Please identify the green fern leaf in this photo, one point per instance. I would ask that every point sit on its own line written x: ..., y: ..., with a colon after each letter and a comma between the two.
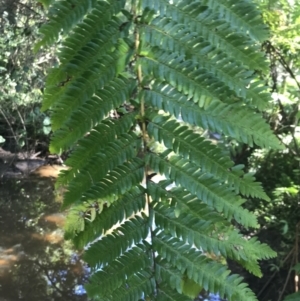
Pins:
x: 166, y: 294
x: 125, y: 207
x: 129, y: 73
x: 203, y: 186
x: 205, y: 155
x: 217, y: 117
x: 110, y: 247
x: 292, y: 297
x: 248, y: 20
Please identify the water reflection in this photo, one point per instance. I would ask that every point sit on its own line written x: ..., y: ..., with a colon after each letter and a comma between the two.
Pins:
x: 35, y: 262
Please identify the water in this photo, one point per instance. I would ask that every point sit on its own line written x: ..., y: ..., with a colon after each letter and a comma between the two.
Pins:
x: 35, y: 262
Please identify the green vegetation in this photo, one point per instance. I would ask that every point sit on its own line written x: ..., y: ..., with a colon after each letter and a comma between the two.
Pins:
x: 129, y: 72
x: 278, y: 171
x: 22, y: 125
x: 191, y: 90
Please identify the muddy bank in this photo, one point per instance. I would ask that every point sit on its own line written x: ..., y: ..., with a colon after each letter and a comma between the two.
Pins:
x: 21, y: 165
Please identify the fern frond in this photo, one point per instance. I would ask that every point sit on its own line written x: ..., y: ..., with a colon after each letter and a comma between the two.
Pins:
x: 183, y: 201
x: 204, y: 154
x: 212, y: 275
x: 128, y: 264
x: 189, y: 215
x: 195, y: 82
x: 242, y: 15
x: 110, y: 247
x: 167, y: 34
x: 97, y: 140
x: 167, y: 294
x: 94, y: 29
x: 71, y: 92
x: 236, y: 121
x: 195, y: 61
x: 115, y: 154
x: 207, y: 189
x: 64, y: 15
x: 117, y: 182
x: 80, y: 90
x: 186, y: 77
x: 135, y: 288
x: 209, y: 237
x: 92, y: 112
x: 129, y: 204
x: 206, y: 23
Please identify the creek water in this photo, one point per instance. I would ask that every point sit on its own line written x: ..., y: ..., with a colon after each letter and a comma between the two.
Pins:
x: 36, y: 264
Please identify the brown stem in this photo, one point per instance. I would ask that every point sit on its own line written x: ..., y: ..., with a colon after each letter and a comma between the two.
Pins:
x: 273, y: 275
x: 287, y: 279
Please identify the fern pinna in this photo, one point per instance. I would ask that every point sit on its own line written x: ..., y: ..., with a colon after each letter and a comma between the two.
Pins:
x: 136, y: 84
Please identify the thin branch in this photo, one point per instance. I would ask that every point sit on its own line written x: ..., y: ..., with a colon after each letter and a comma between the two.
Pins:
x: 287, y: 279
x: 43, y: 268
x: 11, y: 129
x: 29, y: 8
x: 284, y: 63
x: 25, y: 130
x: 273, y: 275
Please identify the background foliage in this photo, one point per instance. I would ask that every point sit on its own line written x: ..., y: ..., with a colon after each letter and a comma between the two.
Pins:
x: 22, y: 125
x: 129, y: 74
x: 278, y: 170
x: 21, y: 87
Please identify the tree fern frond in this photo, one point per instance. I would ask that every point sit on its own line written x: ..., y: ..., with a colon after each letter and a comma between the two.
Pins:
x: 183, y: 201
x: 195, y: 232
x: 130, y: 203
x: 113, y: 245
x: 128, y: 264
x: 207, y: 189
x: 79, y: 60
x: 207, y: 24
x: 79, y: 53
x: 236, y: 121
x: 83, y: 74
x: 97, y: 140
x: 80, y: 90
x: 122, y: 63
x: 167, y: 294
x: 211, y: 238
x: 167, y: 34
x: 195, y: 215
x: 99, y: 26
x: 204, y: 154
x: 136, y: 287
x: 94, y: 110
x: 186, y: 77
x: 117, y: 182
x: 242, y: 15
x: 115, y: 154
x: 211, y: 275
x: 64, y: 15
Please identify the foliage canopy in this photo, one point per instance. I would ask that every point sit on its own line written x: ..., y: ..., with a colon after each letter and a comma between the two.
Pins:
x: 138, y: 85
x: 22, y: 125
